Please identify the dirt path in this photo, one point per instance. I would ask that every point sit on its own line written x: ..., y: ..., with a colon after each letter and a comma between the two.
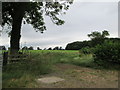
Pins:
x: 81, y: 77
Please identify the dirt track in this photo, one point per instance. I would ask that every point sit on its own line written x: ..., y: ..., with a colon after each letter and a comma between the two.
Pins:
x: 81, y: 77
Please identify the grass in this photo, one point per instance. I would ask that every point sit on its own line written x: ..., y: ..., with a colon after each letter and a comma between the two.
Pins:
x: 22, y: 73
x: 40, y: 62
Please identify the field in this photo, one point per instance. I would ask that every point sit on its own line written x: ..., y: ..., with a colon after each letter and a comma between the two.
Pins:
x: 78, y: 70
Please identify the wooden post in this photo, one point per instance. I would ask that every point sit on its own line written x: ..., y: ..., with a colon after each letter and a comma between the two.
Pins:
x: 5, y: 58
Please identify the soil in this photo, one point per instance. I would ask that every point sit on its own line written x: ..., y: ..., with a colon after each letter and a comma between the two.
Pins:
x: 81, y: 77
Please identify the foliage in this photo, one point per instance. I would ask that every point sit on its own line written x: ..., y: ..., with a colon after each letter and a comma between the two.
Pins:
x: 50, y: 48
x: 38, y: 48
x: 97, y: 37
x: 30, y: 48
x: 91, y: 43
x: 97, y: 34
x: 25, y: 73
x: 14, y: 13
x: 57, y: 48
x: 86, y: 50
x: 33, y: 12
x: 113, y: 39
x: 78, y: 45
x: 108, y: 52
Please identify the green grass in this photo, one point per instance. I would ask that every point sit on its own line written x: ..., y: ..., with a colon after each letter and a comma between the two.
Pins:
x: 24, y: 73
x: 16, y: 74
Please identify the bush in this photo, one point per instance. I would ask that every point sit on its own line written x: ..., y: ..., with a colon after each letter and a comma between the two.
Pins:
x: 107, y: 52
x: 86, y: 50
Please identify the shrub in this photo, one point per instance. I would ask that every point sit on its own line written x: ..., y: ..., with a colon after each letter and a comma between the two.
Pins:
x: 86, y: 50
x: 107, y: 52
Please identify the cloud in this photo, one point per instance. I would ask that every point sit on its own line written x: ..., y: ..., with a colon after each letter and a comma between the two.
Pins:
x: 81, y: 19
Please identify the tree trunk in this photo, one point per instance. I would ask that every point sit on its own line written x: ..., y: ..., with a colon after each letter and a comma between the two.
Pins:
x: 18, y: 14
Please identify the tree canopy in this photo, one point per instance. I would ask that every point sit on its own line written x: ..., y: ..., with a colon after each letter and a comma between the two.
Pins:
x: 33, y: 12
x: 96, y: 38
x: 14, y: 13
x: 97, y: 34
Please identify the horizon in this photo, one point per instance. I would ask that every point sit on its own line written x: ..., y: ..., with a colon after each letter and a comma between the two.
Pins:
x: 46, y: 48
x: 80, y: 19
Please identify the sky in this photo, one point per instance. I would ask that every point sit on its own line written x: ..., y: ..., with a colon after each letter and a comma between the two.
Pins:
x: 81, y: 19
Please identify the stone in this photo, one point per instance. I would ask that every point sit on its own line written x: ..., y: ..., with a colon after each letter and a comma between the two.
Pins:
x: 49, y: 80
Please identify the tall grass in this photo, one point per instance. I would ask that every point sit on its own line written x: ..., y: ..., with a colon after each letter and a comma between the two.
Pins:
x: 40, y: 62
x: 24, y: 73
x: 65, y: 56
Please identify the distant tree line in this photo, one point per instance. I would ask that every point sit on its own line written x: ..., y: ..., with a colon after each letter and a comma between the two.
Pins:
x: 38, y: 48
x: 55, y: 48
x: 27, y: 48
x: 78, y: 45
x: 96, y: 38
x: 105, y: 51
x: 90, y: 43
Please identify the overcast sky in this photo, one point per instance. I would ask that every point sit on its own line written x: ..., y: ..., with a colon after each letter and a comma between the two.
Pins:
x: 81, y: 19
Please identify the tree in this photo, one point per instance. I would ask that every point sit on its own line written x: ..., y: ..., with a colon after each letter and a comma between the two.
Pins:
x: 60, y: 48
x: 13, y: 13
x: 97, y: 37
x: 38, y: 48
x: 56, y: 48
x: 78, y: 45
x: 50, y: 48
x: 105, y: 33
x: 107, y: 53
x: 30, y: 48
x: 97, y: 34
